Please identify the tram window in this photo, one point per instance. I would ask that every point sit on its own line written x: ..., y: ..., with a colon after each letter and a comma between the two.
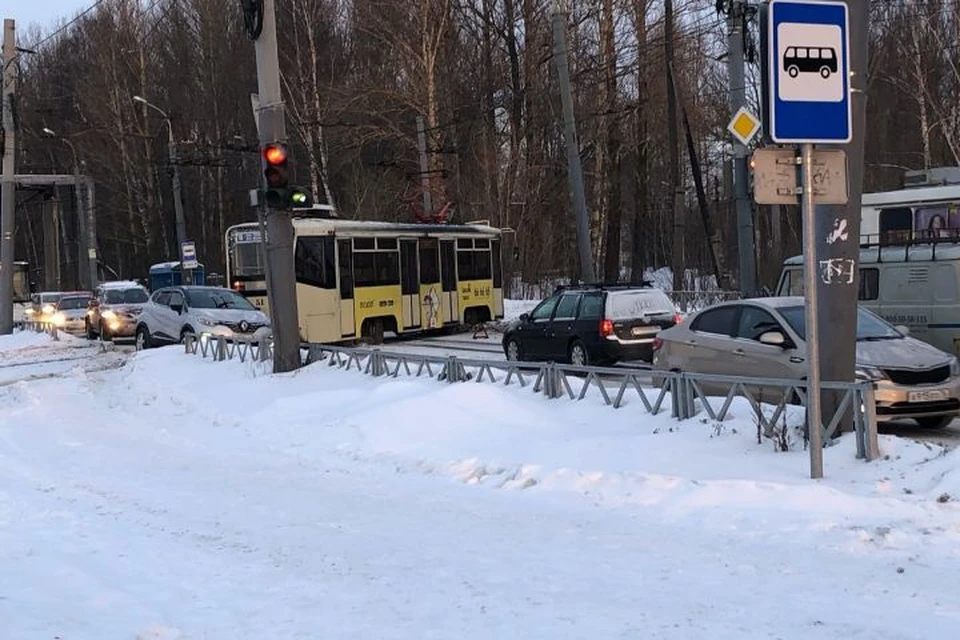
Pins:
x: 346, y: 270
x: 364, y: 244
x: 408, y: 267
x: 497, y: 267
x: 465, y: 243
x: 387, y: 243
x: 376, y: 269
x: 481, y: 243
x: 314, y: 261
x: 481, y: 265
x: 448, y: 264
x: 429, y: 262
x: 465, y: 270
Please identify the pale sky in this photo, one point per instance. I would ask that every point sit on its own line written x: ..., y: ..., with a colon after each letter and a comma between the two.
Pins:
x: 46, y: 13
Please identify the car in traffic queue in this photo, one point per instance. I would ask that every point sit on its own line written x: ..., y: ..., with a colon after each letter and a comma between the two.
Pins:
x: 172, y: 313
x: 592, y: 324
x: 42, y: 306
x: 765, y: 338
x: 71, y: 312
x: 114, y: 310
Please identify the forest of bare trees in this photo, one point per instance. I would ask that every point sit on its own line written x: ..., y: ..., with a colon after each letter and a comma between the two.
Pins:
x: 358, y: 73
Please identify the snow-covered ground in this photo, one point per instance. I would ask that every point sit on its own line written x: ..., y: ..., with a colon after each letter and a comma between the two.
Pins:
x: 179, y: 498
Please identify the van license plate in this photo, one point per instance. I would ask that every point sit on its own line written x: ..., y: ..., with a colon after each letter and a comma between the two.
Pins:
x: 931, y: 395
x: 643, y: 331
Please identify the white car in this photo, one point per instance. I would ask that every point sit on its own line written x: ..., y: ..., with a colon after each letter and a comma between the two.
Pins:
x: 174, y: 312
x: 71, y: 313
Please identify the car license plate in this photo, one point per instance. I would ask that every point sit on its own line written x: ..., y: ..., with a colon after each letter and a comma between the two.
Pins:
x: 644, y: 331
x: 930, y: 395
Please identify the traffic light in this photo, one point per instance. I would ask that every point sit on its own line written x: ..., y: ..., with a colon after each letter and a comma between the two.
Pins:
x: 299, y: 197
x: 277, y: 174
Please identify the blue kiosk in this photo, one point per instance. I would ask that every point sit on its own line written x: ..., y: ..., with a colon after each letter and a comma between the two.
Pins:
x: 168, y: 274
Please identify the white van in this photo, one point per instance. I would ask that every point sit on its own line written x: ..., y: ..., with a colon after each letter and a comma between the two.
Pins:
x: 913, y: 286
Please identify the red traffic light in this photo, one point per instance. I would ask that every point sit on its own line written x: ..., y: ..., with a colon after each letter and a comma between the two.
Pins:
x: 275, y: 154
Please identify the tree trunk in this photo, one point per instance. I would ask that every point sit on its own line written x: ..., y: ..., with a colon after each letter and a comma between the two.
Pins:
x: 611, y: 261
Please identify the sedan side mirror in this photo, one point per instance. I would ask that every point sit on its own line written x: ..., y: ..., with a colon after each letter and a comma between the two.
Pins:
x: 773, y: 338
x: 903, y: 329
x: 524, y: 317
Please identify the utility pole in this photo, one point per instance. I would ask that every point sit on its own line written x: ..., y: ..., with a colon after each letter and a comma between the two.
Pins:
x: 675, y: 206
x: 174, y: 161
x: 92, y: 236
x: 838, y: 301
x: 8, y: 197
x: 736, y: 32
x: 574, y: 170
x: 282, y: 292
x: 424, y: 167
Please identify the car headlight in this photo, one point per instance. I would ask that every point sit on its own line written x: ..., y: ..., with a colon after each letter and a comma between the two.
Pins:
x: 870, y: 373
x: 48, y: 308
x: 955, y: 367
x: 59, y: 319
x: 30, y: 312
x: 109, y: 314
x: 208, y: 323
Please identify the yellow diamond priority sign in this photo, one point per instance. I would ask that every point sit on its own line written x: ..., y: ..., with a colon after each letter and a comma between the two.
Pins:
x: 744, y: 125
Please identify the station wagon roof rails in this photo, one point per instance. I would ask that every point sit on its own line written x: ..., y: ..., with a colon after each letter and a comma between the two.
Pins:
x: 604, y: 286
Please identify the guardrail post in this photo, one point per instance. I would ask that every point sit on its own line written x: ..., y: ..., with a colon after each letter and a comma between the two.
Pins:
x: 871, y: 442
x: 674, y: 381
x: 53, y: 332
x: 221, y: 353
x: 376, y: 364
x: 452, y: 373
x: 187, y: 344
x: 264, y: 352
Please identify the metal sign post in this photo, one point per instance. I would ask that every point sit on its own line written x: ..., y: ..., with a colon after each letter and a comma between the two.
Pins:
x: 812, y: 326
x: 808, y: 51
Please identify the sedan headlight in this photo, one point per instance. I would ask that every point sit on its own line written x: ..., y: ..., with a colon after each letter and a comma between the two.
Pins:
x: 955, y: 367
x: 59, y: 319
x: 48, y: 308
x: 109, y: 314
x: 870, y: 373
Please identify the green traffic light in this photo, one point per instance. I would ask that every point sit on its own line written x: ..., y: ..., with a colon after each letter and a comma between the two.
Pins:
x: 298, y: 197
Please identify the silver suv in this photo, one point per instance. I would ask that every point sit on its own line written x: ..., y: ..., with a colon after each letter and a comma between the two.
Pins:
x: 174, y: 312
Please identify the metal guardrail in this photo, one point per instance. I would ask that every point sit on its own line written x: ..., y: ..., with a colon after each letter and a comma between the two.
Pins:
x: 221, y: 348
x: 682, y: 393
x: 38, y: 327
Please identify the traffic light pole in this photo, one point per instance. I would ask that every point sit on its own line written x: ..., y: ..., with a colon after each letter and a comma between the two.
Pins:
x: 282, y: 292
x: 8, y: 198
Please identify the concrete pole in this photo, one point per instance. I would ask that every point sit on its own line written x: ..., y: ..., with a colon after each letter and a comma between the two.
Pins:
x: 738, y: 98
x: 178, y: 201
x: 574, y: 170
x: 677, y: 213
x: 92, y: 235
x: 8, y: 197
x: 424, y: 167
x: 282, y: 293
x: 838, y: 299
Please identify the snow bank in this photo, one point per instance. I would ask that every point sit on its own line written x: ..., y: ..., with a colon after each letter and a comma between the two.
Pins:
x: 179, y: 498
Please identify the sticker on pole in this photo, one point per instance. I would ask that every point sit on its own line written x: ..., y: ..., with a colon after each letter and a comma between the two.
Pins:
x: 809, y: 72
x: 744, y: 126
x: 188, y: 255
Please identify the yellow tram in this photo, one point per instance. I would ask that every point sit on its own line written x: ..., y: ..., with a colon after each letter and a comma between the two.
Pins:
x: 360, y: 279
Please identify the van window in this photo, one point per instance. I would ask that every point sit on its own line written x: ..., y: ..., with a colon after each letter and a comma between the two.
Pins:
x: 869, y: 284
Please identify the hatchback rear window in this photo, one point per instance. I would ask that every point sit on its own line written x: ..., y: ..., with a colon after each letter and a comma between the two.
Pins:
x: 624, y: 305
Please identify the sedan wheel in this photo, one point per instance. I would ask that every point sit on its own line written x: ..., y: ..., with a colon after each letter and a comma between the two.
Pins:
x: 578, y: 355
x: 513, y: 351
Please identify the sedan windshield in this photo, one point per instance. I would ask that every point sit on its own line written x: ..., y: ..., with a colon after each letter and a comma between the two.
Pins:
x: 73, y: 303
x: 869, y: 326
x: 217, y: 299
x: 126, y: 296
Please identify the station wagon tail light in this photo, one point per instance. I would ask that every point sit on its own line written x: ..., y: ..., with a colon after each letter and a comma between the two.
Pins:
x: 606, y: 328
x: 677, y: 318
x: 657, y: 343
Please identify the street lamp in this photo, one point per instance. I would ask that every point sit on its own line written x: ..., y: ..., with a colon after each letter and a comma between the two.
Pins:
x: 177, y: 196
x: 91, y: 223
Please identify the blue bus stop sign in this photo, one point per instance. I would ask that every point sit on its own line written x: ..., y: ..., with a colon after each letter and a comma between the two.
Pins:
x: 809, y: 49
